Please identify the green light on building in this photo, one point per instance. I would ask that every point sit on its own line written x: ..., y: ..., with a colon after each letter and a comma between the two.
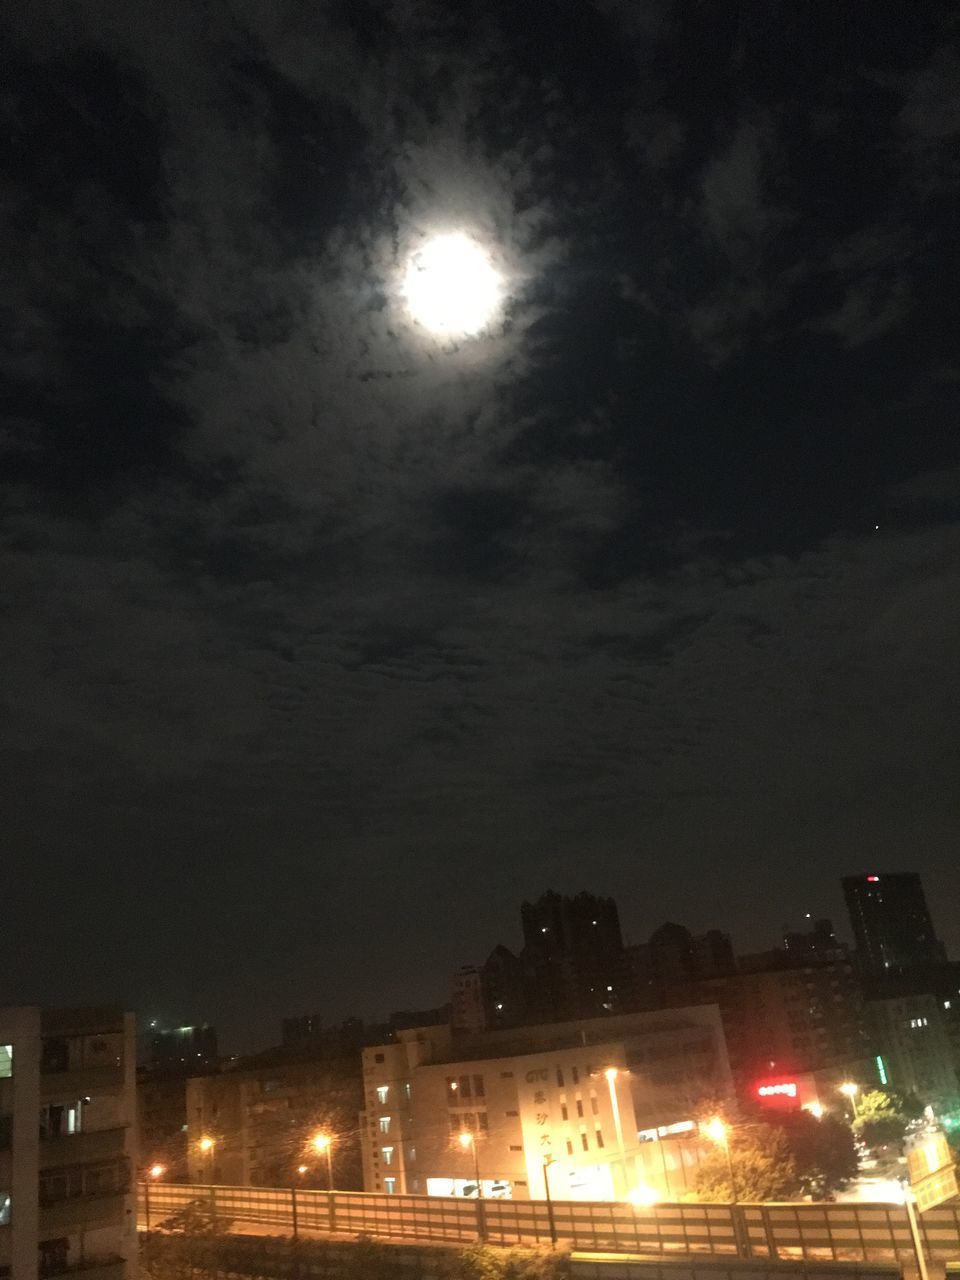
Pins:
x: 881, y: 1070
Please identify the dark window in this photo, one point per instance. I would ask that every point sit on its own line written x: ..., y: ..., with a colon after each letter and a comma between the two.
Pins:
x: 575, y: 1075
x: 559, y: 1077
x: 583, y: 1139
x: 579, y: 1107
x: 482, y: 1122
x: 569, y: 1147
x: 478, y: 1091
x: 516, y: 1148
x: 563, y: 1111
x: 593, y: 1104
x: 378, y: 1057
x: 599, y: 1138
x: 465, y: 1087
x: 55, y: 1055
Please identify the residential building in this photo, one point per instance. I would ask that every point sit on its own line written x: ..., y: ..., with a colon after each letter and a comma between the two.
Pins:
x: 162, y: 1123
x: 611, y: 1101
x: 891, y: 923
x: 814, y: 944
x: 783, y: 1017
x: 254, y: 1124
x: 188, y: 1050
x: 573, y: 958
x: 911, y: 1036
x: 66, y: 1186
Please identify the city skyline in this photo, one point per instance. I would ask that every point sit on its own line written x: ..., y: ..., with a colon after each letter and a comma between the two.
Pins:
x: 449, y: 453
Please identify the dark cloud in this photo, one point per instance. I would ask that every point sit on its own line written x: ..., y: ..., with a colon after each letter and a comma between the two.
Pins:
x: 324, y: 641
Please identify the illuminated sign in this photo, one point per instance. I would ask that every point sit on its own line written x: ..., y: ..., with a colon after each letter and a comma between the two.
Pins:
x: 873, y: 879
x: 784, y: 1088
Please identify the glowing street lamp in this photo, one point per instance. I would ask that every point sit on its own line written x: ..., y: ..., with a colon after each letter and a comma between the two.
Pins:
x: 157, y: 1171
x: 850, y: 1089
x: 322, y: 1143
x: 642, y: 1194
x: 719, y: 1132
x: 301, y: 1169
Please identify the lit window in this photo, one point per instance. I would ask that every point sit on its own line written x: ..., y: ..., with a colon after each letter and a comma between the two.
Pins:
x: 384, y: 1124
x: 390, y: 1186
x: 6, y: 1061
x: 382, y: 1091
x: 406, y: 1090
x: 4, y: 1209
x: 412, y: 1154
x: 388, y: 1155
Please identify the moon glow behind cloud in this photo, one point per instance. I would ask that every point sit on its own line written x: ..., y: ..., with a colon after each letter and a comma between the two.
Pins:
x: 451, y: 287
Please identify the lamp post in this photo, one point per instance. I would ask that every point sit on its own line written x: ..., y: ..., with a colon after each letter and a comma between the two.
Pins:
x: 547, y: 1162
x: 611, y: 1074
x: 467, y: 1139
x: 719, y: 1132
x: 323, y: 1143
x: 205, y: 1145
x: 850, y: 1089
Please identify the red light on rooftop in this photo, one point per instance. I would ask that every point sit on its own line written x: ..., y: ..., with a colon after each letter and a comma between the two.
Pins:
x: 873, y: 879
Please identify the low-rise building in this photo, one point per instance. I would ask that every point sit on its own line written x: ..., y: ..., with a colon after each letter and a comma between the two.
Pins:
x: 598, y: 1105
x: 66, y: 1185
x: 255, y: 1124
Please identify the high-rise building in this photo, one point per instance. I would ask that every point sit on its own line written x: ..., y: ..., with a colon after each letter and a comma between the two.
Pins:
x: 190, y: 1050
x: 66, y: 1184
x: 891, y: 924
x: 574, y: 957
x: 910, y: 1036
x: 813, y: 944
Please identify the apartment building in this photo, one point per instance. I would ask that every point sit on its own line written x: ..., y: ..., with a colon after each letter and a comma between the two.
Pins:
x: 598, y: 1106
x: 255, y: 1125
x: 910, y: 1034
x: 67, y: 1144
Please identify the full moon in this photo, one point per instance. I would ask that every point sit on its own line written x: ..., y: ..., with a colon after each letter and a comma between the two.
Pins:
x: 451, y: 286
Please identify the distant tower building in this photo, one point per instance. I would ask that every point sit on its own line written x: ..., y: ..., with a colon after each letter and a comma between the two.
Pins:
x: 813, y: 945
x: 192, y: 1050
x: 891, y: 923
x: 574, y: 956
x: 466, y: 1005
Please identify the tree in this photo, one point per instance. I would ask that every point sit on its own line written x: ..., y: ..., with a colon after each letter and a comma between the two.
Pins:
x: 763, y: 1167
x: 882, y: 1117
x: 824, y: 1151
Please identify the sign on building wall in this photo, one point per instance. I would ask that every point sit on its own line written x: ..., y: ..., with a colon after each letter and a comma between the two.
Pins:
x: 933, y: 1175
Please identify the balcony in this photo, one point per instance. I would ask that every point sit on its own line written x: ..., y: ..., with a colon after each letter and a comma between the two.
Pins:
x: 109, y: 1268
x: 71, y: 1216
x: 80, y: 1082
x: 79, y: 1148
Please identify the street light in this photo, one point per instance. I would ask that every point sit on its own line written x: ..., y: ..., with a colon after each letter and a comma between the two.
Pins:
x: 323, y: 1143
x: 611, y: 1074
x: 719, y: 1132
x: 206, y: 1145
x: 157, y: 1171
x: 466, y: 1140
x: 850, y: 1089
x: 643, y: 1193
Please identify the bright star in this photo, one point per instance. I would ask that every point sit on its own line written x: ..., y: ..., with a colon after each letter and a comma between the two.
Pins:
x: 451, y: 287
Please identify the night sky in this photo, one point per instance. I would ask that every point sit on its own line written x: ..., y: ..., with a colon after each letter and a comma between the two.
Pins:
x: 325, y: 640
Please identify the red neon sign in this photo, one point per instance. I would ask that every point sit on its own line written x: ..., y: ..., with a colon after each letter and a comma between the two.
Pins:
x: 873, y: 879
x: 782, y: 1089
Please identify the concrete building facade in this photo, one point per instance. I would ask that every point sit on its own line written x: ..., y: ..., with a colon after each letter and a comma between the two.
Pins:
x: 911, y: 1036
x: 67, y: 1143
x: 599, y: 1106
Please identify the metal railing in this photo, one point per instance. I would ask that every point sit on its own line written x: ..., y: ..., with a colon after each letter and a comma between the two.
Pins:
x: 824, y: 1232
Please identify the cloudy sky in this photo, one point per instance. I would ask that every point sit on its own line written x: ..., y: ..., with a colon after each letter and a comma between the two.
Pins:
x: 326, y: 640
